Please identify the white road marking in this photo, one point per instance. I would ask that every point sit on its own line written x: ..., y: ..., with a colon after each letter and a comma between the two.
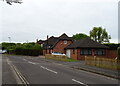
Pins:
x: 48, y: 69
x: 18, y: 76
x: 79, y: 82
x: 31, y: 62
x: 24, y: 59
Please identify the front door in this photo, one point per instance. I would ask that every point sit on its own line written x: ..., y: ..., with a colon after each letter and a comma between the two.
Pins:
x: 68, y: 53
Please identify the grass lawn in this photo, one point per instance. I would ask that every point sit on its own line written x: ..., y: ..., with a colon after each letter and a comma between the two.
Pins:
x: 62, y: 59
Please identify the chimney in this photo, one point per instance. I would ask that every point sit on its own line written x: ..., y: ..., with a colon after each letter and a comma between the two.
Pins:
x: 47, y: 42
x: 47, y: 37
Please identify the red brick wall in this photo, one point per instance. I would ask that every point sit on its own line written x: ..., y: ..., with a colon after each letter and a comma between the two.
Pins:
x: 73, y: 55
x: 82, y: 57
x: 77, y: 55
x: 59, y: 47
x: 47, y: 52
x: 111, y: 53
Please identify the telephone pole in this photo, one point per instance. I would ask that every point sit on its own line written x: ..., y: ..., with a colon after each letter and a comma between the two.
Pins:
x: 9, y: 39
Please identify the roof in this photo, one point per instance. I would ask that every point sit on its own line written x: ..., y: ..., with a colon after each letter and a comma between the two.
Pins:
x: 52, y: 41
x: 64, y: 37
x: 86, y: 43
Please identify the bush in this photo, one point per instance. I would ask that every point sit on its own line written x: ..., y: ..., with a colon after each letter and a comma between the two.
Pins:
x: 11, y: 51
x: 31, y: 49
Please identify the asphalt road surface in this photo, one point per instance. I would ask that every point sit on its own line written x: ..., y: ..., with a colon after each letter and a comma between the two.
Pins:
x: 37, y: 70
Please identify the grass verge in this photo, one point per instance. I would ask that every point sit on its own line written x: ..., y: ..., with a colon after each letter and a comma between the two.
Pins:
x: 62, y: 59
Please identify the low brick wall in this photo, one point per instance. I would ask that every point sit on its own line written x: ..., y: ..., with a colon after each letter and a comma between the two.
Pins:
x: 54, y: 56
x: 102, y: 62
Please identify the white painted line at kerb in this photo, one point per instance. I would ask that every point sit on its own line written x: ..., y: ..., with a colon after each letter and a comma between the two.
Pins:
x: 49, y: 69
x: 79, y: 82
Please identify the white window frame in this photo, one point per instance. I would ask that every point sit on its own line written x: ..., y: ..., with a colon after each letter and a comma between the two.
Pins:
x: 65, y: 42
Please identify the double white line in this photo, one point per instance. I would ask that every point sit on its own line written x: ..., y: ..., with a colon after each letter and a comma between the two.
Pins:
x: 19, y: 77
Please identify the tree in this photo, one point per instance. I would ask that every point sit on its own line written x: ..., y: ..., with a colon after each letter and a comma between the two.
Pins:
x: 100, y: 35
x: 79, y: 36
x: 13, y: 1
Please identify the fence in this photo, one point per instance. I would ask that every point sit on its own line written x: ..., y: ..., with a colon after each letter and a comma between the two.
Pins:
x: 103, y: 62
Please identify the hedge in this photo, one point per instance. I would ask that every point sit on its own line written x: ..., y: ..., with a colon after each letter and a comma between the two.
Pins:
x: 29, y: 52
x: 30, y: 49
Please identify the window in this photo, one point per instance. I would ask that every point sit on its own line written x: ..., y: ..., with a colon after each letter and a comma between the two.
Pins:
x: 85, y: 52
x: 65, y: 42
x: 99, y: 52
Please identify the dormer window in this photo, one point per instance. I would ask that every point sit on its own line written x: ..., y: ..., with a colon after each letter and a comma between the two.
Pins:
x: 65, y: 42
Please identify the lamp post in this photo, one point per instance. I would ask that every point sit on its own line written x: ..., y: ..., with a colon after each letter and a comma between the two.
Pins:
x: 9, y: 39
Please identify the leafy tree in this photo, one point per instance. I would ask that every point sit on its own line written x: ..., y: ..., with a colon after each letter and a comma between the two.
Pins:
x: 79, y: 36
x: 6, y: 45
x: 13, y: 1
x: 100, y: 35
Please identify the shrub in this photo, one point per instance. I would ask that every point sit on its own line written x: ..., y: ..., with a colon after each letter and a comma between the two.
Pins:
x: 31, y: 49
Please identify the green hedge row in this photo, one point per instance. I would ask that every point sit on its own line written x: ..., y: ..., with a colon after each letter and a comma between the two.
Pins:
x: 27, y: 52
x: 30, y: 52
x: 30, y: 49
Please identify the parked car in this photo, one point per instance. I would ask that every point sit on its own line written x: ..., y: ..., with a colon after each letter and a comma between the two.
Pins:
x: 58, y: 53
x: 3, y: 51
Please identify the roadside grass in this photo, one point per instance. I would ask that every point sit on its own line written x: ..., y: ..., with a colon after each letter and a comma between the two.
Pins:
x: 114, y: 67
x: 62, y: 59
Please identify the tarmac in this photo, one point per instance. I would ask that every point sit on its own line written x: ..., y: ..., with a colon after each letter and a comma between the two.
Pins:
x: 80, y: 65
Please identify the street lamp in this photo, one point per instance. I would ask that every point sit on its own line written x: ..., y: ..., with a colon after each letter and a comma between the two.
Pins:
x: 9, y: 39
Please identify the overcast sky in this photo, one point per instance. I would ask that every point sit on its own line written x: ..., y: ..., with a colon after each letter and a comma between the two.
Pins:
x: 35, y: 19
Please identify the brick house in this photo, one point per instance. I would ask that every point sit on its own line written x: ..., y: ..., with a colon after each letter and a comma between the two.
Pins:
x: 86, y: 47
x: 76, y: 49
x: 56, y: 44
x: 41, y: 42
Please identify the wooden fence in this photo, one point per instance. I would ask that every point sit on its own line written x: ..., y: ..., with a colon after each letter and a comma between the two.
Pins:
x: 103, y: 62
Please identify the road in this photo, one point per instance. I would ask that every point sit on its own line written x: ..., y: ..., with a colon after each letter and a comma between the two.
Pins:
x: 37, y: 70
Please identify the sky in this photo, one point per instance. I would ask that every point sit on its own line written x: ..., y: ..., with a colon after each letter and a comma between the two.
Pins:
x: 35, y: 19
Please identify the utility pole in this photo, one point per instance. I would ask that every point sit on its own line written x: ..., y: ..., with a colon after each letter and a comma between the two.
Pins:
x: 9, y: 39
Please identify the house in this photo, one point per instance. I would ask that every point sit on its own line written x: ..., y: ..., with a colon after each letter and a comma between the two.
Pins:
x: 40, y: 42
x: 76, y: 49
x: 56, y: 44
x: 86, y: 47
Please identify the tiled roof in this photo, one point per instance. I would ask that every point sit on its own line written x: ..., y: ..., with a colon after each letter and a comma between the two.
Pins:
x: 85, y: 43
x: 52, y: 41
x: 64, y: 37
